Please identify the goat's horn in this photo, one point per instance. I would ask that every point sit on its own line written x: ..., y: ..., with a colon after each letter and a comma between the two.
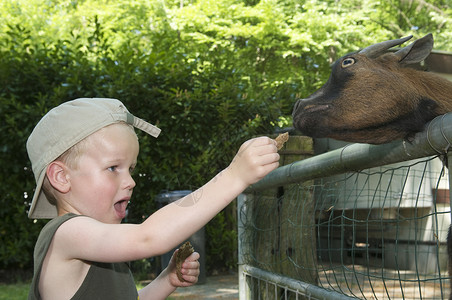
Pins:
x: 377, y: 49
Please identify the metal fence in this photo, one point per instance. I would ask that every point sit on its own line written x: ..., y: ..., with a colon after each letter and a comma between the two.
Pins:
x: 363, y: 221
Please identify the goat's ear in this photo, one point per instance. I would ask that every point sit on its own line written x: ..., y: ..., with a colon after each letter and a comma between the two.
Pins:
x: 416, y: 51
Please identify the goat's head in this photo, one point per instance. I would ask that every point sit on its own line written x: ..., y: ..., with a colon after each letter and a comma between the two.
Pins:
x: 371, y: 97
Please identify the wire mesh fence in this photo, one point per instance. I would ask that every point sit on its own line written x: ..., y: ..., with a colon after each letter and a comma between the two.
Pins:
x: 363, y: 221
x: 375, y: 234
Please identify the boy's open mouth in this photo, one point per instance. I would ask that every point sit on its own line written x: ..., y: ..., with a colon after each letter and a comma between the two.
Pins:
x: 121, y: 207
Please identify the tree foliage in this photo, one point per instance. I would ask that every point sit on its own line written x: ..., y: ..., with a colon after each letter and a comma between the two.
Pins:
x: 209, y: 73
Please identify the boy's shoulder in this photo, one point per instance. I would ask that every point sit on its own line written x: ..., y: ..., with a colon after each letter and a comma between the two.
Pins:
x: 55, y: 223
x: 61, y: 219
x: 48, y: 231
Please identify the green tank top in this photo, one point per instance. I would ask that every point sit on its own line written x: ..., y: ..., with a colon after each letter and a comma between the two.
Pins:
x: 107, y: 281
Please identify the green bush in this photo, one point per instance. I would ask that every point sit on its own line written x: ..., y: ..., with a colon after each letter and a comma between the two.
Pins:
x: 203, y: 121
x: 210, y: 74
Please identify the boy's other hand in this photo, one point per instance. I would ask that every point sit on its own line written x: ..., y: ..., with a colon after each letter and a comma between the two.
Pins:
x: 190, y: 270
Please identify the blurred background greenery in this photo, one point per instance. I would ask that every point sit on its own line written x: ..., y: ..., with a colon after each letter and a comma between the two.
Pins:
x: 210, y: 74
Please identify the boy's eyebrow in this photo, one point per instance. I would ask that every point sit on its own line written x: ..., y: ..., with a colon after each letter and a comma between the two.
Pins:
x: 120, y: 159
x: 117, y: 161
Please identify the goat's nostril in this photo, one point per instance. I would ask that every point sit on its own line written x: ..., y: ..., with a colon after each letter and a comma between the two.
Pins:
x: 316, y: 108
x: 295, y: 108
x: 297, y: 105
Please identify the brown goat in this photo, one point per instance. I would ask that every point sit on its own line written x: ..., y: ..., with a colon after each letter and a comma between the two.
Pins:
x: 372, y: 97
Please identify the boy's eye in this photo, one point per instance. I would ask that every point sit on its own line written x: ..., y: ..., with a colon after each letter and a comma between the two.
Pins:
x: 112, y: 168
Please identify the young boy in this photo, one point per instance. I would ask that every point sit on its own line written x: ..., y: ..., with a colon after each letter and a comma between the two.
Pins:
x: 82, y: 153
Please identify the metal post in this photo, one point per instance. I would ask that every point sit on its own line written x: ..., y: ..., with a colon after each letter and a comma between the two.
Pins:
x: 244, y: 289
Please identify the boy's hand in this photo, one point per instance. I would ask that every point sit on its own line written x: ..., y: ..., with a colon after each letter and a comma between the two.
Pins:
x: 190, y: 270
x: 255, y: 159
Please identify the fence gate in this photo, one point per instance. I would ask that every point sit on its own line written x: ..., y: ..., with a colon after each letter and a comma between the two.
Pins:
x: 362, y: 221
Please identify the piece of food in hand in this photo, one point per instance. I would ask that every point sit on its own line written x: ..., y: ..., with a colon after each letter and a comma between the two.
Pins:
x: 184, y: 251
x: 281, y: 139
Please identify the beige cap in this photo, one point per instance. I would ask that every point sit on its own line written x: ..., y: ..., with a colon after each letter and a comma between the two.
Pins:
x: 63, y: 127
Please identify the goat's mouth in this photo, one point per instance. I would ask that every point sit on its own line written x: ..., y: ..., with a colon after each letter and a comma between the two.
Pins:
x: 307, y: 117
x: 315, y: 108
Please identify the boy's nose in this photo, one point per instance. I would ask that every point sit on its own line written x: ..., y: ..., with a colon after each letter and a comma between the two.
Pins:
x: 129, y: 183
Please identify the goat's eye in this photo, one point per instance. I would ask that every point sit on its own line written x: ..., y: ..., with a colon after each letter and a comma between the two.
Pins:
x: 348, y: 62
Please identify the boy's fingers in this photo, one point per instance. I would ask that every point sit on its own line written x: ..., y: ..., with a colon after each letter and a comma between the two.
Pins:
x: 260, y: 141
x: 191, y: 269
x: 191, y: 262
x: 194, y: 256
x: 190, y: 279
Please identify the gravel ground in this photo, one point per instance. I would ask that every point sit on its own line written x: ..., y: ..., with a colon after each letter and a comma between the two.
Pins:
x: 215, y: 287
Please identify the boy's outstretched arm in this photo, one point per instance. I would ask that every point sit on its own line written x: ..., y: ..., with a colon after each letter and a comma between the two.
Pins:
x: 167, y: 281
x: 174, y: 223
x: 255, y: 159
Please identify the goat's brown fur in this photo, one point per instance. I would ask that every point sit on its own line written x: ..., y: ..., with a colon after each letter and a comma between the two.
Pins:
x: 375, y: 100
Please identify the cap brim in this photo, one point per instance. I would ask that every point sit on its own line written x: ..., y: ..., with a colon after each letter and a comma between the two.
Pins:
x: 40, y: 207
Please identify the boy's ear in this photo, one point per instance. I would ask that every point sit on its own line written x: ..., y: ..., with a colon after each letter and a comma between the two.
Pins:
x: 57, y: 175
